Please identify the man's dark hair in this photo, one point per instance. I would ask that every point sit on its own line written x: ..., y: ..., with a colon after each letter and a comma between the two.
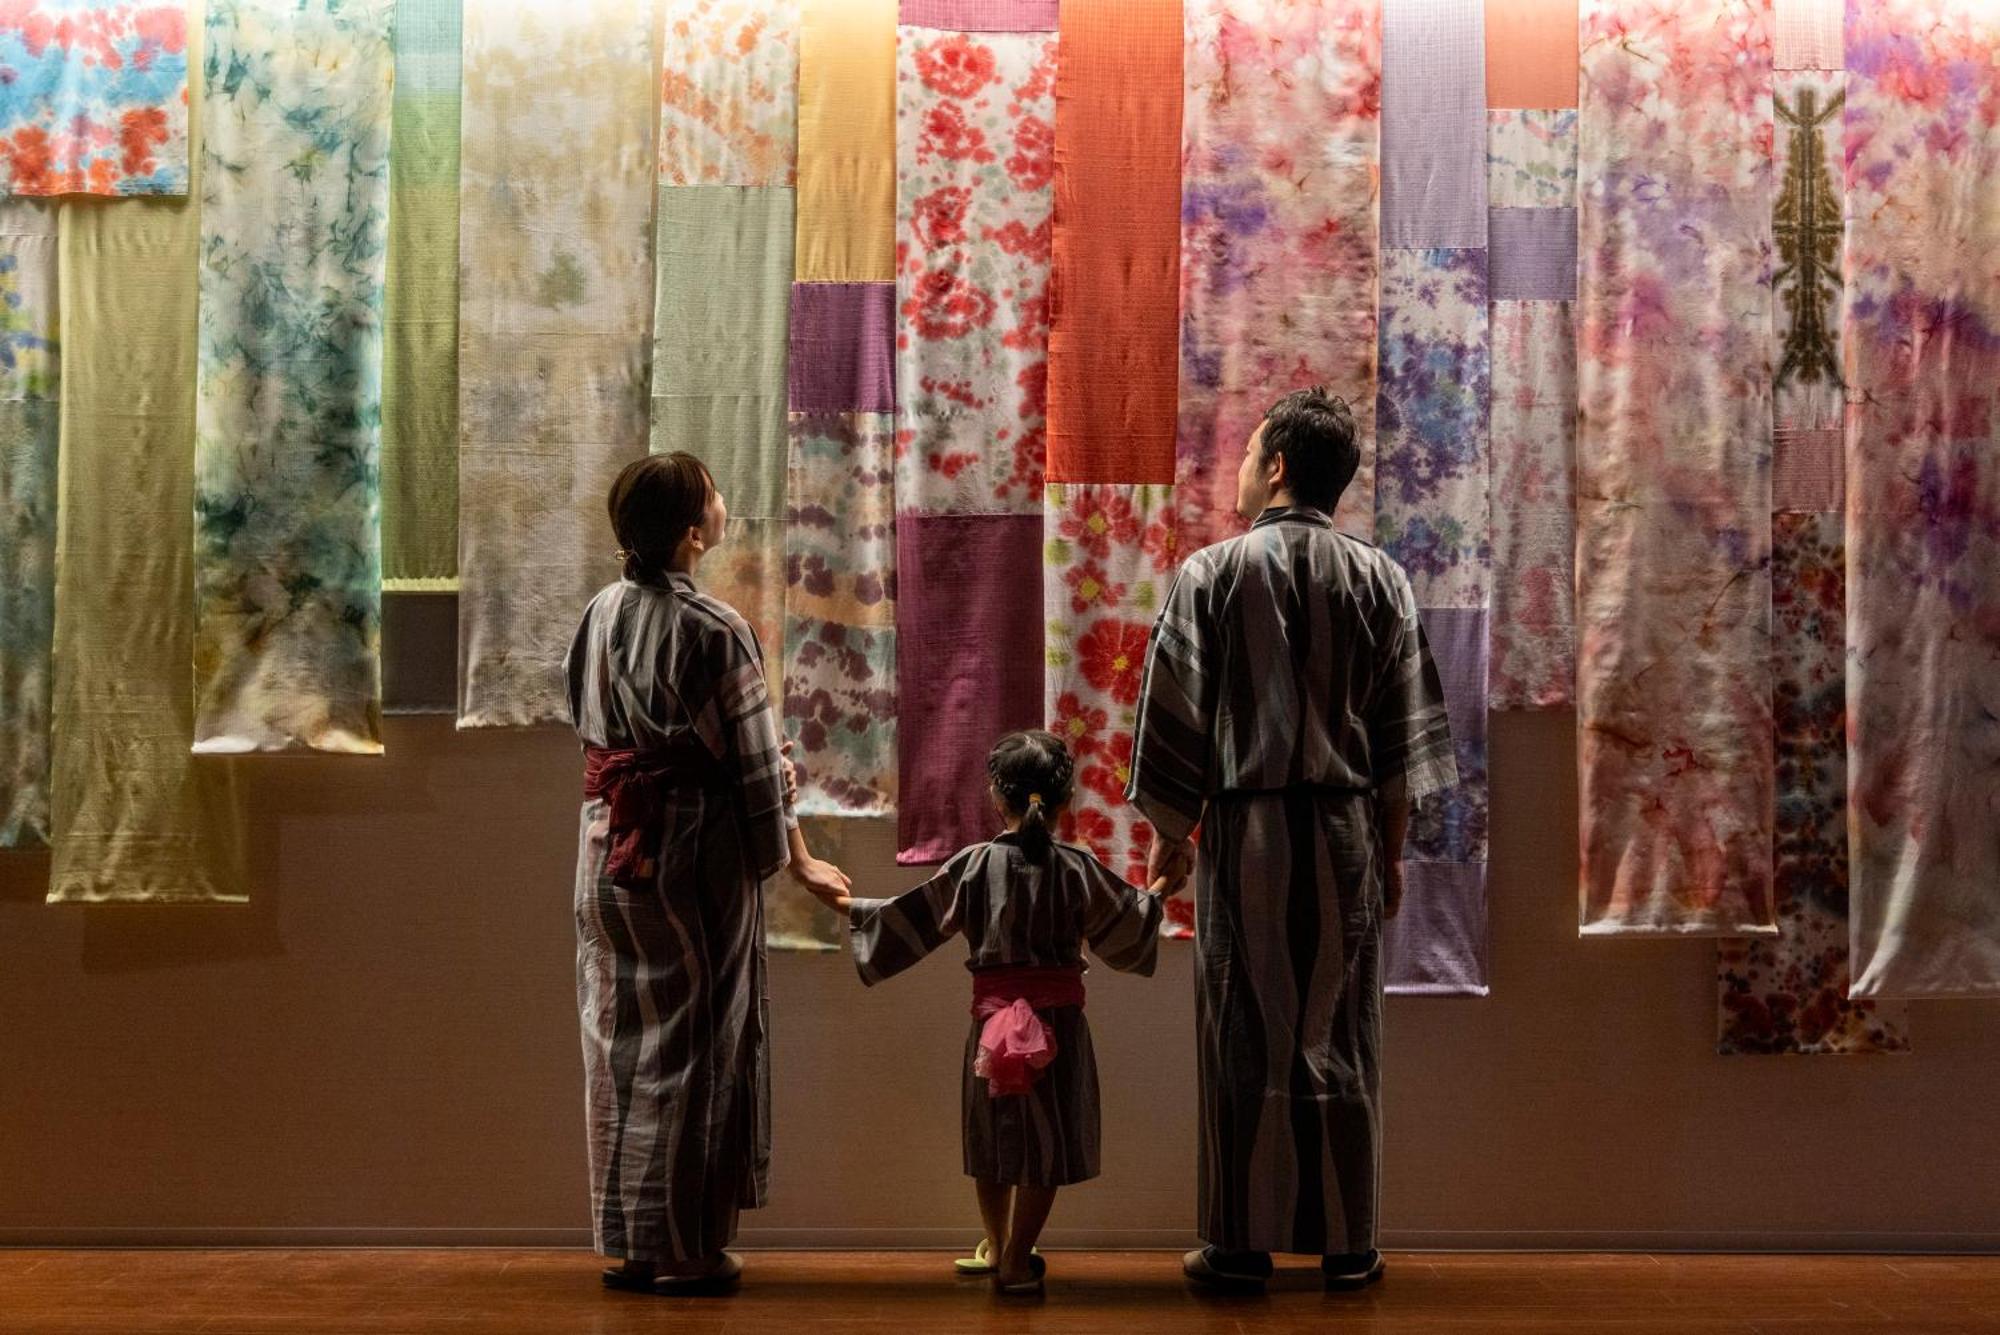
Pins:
x: 1313, y: 432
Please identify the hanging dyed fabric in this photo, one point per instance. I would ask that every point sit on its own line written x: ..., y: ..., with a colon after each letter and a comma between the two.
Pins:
x: 1431, y: 504
x: 1531, y: 185
x: 975, y: 138
x: 288, y: 397
x: 30, y: 422
x: 1674, y: 457
x: 95, y: 101
x: 420, y: 306
x: 1531, y: 53
x: 1788, y: 994
x: 135, y: 817
x: 1111, y: 551
x: 555, y: 300
x: 1922, y: 332
x: 1262, y: 205
x: 723, y: 264
x: 839, y: 687
x: 1109, y: 523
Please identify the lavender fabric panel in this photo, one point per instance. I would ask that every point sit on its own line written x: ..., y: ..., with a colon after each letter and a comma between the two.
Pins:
x: 1437, y: 945
x: 1434, y: 123
x: 843, y: 355
x: 1533, y: 254
x: 1438, y: 942
x: 980, y: 15
x: 968, y: 666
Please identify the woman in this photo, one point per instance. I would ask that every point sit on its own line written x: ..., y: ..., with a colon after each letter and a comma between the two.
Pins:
x: 687, y: 811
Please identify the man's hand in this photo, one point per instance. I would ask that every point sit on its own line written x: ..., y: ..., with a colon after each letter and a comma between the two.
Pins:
x: 1168, y: 865
x: 1392, y: 891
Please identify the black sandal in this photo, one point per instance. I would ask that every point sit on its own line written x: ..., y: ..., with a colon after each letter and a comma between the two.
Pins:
x: 627, y: 1281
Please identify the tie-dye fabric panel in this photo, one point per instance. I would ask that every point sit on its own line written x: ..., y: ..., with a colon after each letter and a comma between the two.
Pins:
x: 1261, y: 205
x: 729, y: 92
x: 1922, y: 329
x: 1533, y: 445
x: 840, y: 612
x: 1431, y: 510
x: 555, y: 304
x: 95, y: 98
x: 1110, y: 553
x: 30, y: 423
x: 288, y: 401
x: 975, y: 140
x: 1790, y: 994
x: 1531, y: 159
x: 1674, y: 468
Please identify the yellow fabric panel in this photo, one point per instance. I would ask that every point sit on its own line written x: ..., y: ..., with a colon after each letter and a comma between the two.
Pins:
x: 847, y: 142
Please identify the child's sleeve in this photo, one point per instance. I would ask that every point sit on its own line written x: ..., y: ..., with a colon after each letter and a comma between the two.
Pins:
x: 1122, y: 924
x: 889, y: 935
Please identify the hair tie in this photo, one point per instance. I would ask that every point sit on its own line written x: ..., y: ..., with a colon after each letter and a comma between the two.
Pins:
x: 1034, y: 798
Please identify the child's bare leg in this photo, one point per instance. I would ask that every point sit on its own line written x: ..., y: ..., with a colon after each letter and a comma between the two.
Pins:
x: 996, y: 1202
x: 1031, y: 1211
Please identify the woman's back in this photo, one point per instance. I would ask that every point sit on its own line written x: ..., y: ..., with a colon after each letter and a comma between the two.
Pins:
x: 653, y: 662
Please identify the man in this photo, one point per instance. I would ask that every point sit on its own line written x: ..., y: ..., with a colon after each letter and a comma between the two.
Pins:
x: 1291, y: 709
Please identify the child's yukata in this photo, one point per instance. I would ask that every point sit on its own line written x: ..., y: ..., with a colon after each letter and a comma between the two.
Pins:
x: 1026, y: 920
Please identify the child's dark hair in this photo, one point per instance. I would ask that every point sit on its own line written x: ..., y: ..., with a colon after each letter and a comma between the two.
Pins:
x: 1033, y: 773
x: 653, y: 503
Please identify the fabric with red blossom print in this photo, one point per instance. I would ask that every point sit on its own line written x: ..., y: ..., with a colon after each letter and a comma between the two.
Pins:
x: 93, y: 98
x: 1110, y: 552
x: 975, y: 141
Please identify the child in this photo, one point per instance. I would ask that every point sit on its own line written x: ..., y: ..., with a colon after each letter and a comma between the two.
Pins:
x: 1026, y: 905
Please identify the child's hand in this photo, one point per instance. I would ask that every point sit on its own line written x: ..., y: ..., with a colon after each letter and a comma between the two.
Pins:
x: 824, y: 882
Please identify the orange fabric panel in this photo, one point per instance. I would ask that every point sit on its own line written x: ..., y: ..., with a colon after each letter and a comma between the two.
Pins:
x: 1531, y: 53
x: 1114, y: 363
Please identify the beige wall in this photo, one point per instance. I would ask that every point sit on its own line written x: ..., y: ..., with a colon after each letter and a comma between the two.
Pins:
x: 383, y: 1048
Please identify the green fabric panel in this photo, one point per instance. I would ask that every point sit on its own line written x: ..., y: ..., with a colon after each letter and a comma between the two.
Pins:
x: 420, y: 353
x: 721, y: 322
x: 136, y: 817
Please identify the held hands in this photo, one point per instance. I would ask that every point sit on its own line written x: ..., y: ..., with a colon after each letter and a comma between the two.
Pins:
x: 1168, y: 866
x: 823, y: 881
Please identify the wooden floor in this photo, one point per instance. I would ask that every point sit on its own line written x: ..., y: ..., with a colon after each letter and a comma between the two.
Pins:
x: 476, y: 1292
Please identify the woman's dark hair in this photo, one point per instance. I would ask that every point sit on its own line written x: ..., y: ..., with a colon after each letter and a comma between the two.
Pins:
x: 653, y: 504
x: 1313, y: 431
x: 1033, y: 773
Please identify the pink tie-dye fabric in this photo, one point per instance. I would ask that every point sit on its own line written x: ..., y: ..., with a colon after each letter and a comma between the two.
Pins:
x: 1922, y: 332
x: 1262, y: 206
x: 1674, y: 459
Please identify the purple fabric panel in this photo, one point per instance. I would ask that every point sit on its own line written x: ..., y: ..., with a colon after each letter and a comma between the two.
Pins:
x: 843, y: 356
x: 980, y: 15
x: 1434, y: 123
x: 1533, y: 254
x: 968, y: 666
x: 1438, y: 943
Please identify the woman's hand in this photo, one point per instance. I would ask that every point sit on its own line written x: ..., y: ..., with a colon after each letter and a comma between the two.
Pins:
x: 823, y: 881
x: 790, y: 772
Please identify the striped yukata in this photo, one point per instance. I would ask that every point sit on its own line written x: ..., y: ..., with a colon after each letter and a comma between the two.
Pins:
x: 670, y: 980
x: 1287, y: 678
x: 1019, y: 910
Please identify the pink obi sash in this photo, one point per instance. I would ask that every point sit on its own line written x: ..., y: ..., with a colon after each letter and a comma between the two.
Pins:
x: 1015, y: 1045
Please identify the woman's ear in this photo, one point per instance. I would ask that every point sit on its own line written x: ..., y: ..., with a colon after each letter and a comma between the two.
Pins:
x: 694, y: 540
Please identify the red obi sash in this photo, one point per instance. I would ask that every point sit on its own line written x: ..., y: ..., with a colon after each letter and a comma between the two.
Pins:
x: 634, y: 784
x: 1015, y: 1046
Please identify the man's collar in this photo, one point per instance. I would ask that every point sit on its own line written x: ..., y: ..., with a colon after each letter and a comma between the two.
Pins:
x: 1293, y: 514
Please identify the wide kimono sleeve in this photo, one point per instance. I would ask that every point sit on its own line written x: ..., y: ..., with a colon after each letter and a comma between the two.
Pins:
x: 1409, y: 732
x: 1174, y: 737
x: 1121, y: 923
x: 750, y: 749
x: 889, y: 935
